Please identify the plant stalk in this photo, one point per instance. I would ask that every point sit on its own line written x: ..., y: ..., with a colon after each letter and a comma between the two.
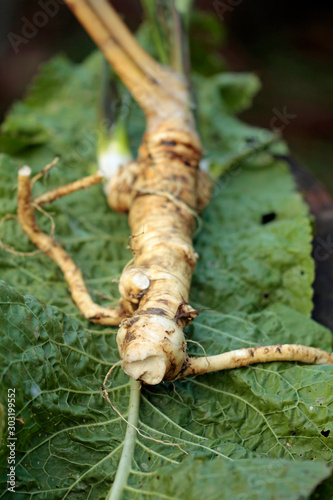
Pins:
x: 126, y: 458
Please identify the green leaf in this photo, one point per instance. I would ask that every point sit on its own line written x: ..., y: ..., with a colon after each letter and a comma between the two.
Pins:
x: 242, y: 479
x: 236, y: 89
x: 207, y: 37
x: 69, y: 439
x: 228, y: 141
x: 254, y: 276
x: 266, y: 258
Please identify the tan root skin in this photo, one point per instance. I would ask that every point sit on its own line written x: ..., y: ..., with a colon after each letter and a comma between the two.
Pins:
x: 159, y: 191
x: 163, y: 191
x: 152, y: 343
x: 263, y: 354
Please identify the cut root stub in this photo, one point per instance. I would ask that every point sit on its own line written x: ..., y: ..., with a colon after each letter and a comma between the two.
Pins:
x: 133, y: 284
x: 152, y: 348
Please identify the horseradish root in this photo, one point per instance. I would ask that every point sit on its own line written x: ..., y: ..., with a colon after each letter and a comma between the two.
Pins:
x: 159, y: 191
x: 163, y: 191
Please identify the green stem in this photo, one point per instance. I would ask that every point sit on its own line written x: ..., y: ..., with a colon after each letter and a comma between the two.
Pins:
x: 170, y: 20
x: 178, y: 43
x: 150, y: 8
x: 126, y: 458
x: 180, y: 56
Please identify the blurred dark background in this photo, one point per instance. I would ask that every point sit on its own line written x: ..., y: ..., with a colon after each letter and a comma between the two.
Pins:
x: 288, y: 44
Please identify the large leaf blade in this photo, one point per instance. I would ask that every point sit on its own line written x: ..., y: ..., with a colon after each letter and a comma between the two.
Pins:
x: 70, y: 443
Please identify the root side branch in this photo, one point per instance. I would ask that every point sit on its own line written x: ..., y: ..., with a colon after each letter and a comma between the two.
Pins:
x: 250, y: 356
x: 48, y: 245
x: 53, y: 195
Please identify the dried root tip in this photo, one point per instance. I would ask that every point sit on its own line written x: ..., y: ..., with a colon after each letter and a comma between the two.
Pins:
x: 249, y: 356
x: 185, y: 314
x: 152, y: 348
